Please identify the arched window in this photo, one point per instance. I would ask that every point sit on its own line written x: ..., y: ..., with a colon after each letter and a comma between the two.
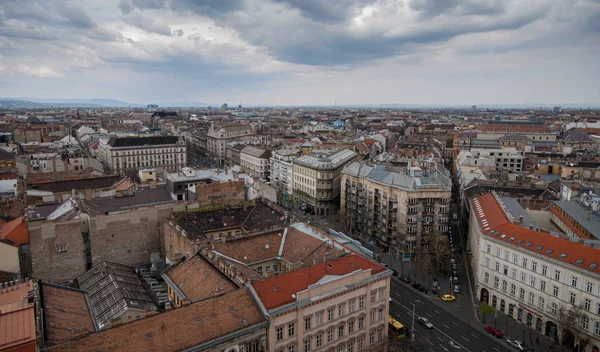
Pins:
x: 486, y: 277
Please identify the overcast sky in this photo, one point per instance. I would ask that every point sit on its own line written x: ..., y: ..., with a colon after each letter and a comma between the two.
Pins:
x: 298, y: 52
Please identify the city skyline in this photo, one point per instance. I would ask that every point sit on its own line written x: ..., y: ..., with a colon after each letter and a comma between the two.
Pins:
x: 302, y: 52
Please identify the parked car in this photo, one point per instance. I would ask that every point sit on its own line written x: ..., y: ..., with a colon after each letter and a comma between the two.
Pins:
x: 425, y: 322
x: 404, y: 279
x: 419, y: 287
x: 448, y: 298
x: 455, y: 280
x: 493, y: 331
x: 453, y: 266
x: 456, y: 289
x: 394, y: 272
x: 516, y: 344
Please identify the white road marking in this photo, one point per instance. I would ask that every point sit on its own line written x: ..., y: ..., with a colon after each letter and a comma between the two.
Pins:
x: 466, y: 339
x: 445, y: 349
x: 496, y: 349
x: 436, y: 311
x: 431, y: 349
x: 429, y: 315
x: 455, y: 323
x: 475, y: 336
x: 431, y: 343
x: 439, y: 338
x: 447, y: 327
x: 455, y: 342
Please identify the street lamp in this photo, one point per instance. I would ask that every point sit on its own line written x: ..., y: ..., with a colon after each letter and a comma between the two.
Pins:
x: 412, y: 327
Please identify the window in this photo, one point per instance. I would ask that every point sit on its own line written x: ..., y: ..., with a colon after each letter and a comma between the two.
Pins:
x: 380, y: 313
x: 350, y: 326
x: 489, y: 248
x: 496, y: 281
x: 553, y: 308
x: 340, y: 349
x: 487, y: 262
x: 521, y: 293
x: 597, y: 328
x: 381, y: 294
x: 543, y: 285
x: 486, y: 277
x: 373, y: 296
x: 504, y: 285
x: 351, y: 306
x: 531, y: 298
x: 541, y: 302
x: 534, y: 266
x: 319, y: 340
x: 523, y: 277
x: 573, y: 297
x: 589, y: 287
x: 587, y: 304
x: 516, y: 259
x: 279, y: 332
x: 330, y: 313
x: 329, y: 335
x: 557, y: 275
x: 341, y: 310
x: 307, y: 344
x: 574, y: 281
x: 513, y: 289
x: 319, y: 318
x: 372, y: 337
x: 361, y: 323
x: 291, y: 329
x: 505, y: 269
x: 61, y: 248
x: 585, y: 322
x: 555, y: 291
x: 361, y: 302
x: 307, y: 323
x: 497, y: 252
x: 524, y: 262
x: 361, y: 343
x: 598, y: 309
x: 372, y: 316
x: 514, y: 273
x: 506, y: 255
x: 379, y: 333
x: 544, y: 270
x: 291, y: 349
x: 340, y: 331
x: 497, y: 266
x: 532, y: 281
x: 350, y: 346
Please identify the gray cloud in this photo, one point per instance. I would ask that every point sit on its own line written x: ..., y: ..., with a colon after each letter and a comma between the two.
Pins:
x: 148, y: 24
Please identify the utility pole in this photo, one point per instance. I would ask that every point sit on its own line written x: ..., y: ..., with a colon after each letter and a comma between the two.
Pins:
x: 412, y: 335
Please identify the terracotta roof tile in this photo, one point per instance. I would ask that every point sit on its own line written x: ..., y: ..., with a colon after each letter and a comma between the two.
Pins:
x: 67, y: 314
x: 176, y: 330
x: 17, y: 328
x: 277, y: 291
x: 494, y: 223
x: 251, y: 249
x: 198, y: 280
x: 299, y: 245
x: 15, y: 231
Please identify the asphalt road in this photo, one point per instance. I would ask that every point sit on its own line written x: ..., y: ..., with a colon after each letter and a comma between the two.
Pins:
x: 450, y: 333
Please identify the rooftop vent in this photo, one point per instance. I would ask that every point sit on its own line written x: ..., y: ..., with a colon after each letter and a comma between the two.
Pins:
x: 528, y: 244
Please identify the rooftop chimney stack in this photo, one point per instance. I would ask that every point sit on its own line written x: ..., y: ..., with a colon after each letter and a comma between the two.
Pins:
x: 520, y: 219
x: 589, y: 215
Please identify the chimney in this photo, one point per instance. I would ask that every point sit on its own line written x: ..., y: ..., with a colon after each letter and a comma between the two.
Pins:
x: 589, y: 215
x: 226, y: 171
x: 1, y: 288
x: 520, y: 219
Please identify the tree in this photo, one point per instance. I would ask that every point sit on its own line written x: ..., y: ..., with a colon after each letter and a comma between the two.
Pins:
x: 485, y: 308
x: 570, y: 321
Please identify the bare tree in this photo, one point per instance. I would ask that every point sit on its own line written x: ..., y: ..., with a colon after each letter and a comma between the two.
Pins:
x: 570, y: 321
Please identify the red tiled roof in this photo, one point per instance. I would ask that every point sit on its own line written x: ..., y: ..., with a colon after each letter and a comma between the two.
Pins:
x: 494, y: 223
x: 18, y: 328
x: 15, y: 231
x: 277, y: 291
x: 515, y: 128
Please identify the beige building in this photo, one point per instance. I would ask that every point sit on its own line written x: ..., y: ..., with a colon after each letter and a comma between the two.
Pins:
x: 255, y: 161
x: 340, y: 304
x: 317, y: 180
x: 129, y: 153
x: 401, y: 212
x: 218, y: 137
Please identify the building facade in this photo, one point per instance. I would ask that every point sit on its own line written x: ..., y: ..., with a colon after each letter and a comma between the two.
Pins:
x: 317, y: 180
x: 282, y: 171
x: 533, y: 276
x: 400, y: 212
x: 130, y: 153
x: 339, y: 305
x: 255, y: 161
x: 218, y: 137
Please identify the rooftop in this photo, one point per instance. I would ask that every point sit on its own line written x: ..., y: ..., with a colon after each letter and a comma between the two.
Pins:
x: 256, y: 152
x: 118, y: 142
x: 283, y: 289
x: 15, y: 232
x: 79, y: 185
x: 178, y: 329
x: 515, y: 128
x: 435, y: 177
x: 143, y: 197
x: 493, y: 222
x: 112, y: 288
x: 579, y: 212
x: 329, y: 162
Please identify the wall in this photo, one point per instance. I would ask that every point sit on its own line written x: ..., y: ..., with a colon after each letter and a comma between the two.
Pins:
x: 212, y: 194
x: 267, y: 192
x: 176, y: 245
x: 9, y: 259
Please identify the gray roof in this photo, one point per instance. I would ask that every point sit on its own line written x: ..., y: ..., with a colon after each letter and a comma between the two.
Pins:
x: 256, y: 152
x: 378, y: 173
x: 143, y: 197
x: 579, y: 212
x: 515, y: 208
x: 329, y: 162
x: 112, y: 288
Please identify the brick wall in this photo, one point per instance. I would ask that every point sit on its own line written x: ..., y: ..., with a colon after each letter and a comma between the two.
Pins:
x: 212, y: 194
x: 176, y: 245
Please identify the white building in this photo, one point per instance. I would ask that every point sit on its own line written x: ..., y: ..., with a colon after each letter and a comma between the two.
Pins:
x: 530, y: 274
x: 281, y: 171
x: 501, y: 158
x: 218, y: 137
x: 128, y: 153
x: 255, y: 161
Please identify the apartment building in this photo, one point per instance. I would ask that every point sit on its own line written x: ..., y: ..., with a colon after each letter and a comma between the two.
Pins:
x: 281, y: 169
x: 219, y: 136
x: 578, y: 218
x: 339, y: 305
x: 255, y: 161
x: 317, y: 180
x: 533, y: 275
x: 399, y: 211
x: 128, y: 153
x: 533, y: 131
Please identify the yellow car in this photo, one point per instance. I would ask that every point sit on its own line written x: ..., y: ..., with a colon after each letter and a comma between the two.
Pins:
x: 448, y: 298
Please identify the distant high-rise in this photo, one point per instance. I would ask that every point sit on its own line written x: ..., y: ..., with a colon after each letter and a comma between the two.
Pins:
x: 152, y: 106
x: 224, y: 107
x: 556, y: 109
x: 474, y: 107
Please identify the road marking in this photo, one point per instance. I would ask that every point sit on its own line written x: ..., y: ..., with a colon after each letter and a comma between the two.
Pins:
x: 447, y: 327
x: 475, y: 336
x: 455, y: 323
x: 443, y: 333
x: 439, y: 338
x: 496, y: 349
x: 431, y: 343
x: 429, y: 315
x: 431, y: 349
x: 466, y: 339
x: 445, y: 349
x: 419, y: 302
x: 436, y: 311
x: 407, y: 293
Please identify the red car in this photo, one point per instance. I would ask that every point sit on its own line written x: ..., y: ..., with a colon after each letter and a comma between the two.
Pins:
x: 492, y: 330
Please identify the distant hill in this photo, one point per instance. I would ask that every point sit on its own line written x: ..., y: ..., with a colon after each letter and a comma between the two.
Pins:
x: 66, y: 102
x: 183, y: 104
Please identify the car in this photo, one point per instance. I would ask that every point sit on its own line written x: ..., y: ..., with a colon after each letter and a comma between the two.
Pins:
x: 493, y: 331
x: 419, y: 287
x: 456, y: 289
x: 516, y: 344
x: 448, y: 298
x: 454, y: 273
x: 394, y: 272
x: 453, y: 266
x: 425, y: 322
x: 404, y: 279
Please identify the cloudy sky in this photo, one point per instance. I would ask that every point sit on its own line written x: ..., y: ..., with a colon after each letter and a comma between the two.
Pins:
x: 297, y: 52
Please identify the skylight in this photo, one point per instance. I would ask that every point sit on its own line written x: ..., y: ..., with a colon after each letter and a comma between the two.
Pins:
x: 503, y: 235
x: 562, y: 255
x: 539, y: 248
x: 579, y: 261
x: 528, y: 244
x: 550, y: 251
x: 520, y: 241
x: 511, y: 239
x: 593, y: 266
